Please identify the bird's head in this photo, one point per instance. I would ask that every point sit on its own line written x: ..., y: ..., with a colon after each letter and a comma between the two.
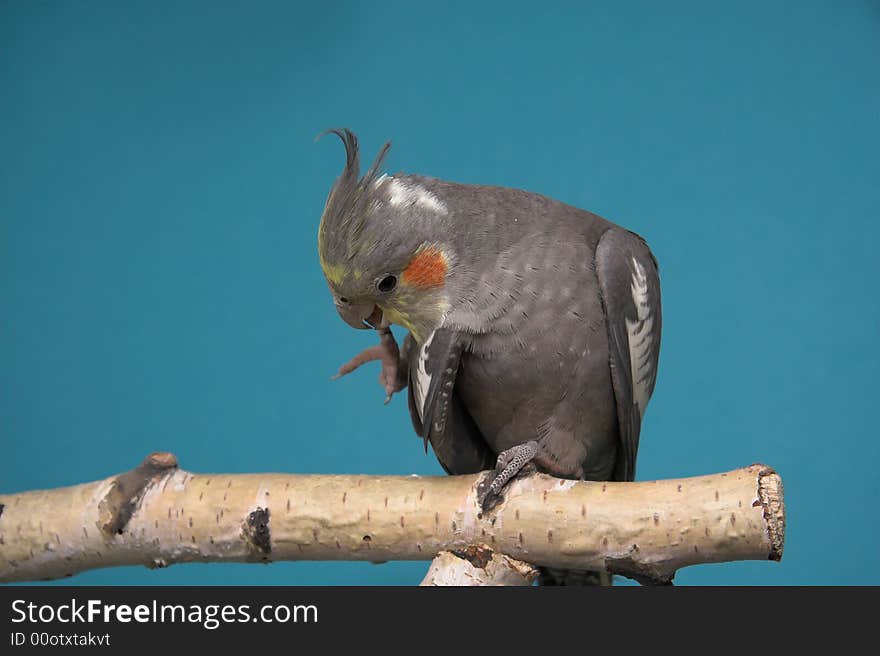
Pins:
x: 382, y: 249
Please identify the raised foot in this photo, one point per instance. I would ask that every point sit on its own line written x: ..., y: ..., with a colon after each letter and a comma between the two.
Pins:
x: 385, y: 351
x: 508, y: 465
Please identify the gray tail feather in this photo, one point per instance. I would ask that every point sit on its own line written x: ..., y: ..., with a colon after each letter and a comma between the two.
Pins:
x: 552, y: 576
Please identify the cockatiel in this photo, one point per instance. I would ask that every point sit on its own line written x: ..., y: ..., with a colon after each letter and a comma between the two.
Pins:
x: 534, y: 326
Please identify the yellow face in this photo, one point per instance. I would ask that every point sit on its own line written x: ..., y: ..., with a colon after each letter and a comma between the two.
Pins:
x: 411, y: 297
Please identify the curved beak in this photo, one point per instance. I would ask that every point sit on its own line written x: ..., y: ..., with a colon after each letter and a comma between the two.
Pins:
x: 360, y: 315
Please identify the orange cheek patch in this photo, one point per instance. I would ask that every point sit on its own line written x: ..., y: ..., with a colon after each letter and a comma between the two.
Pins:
x: 427, y: 268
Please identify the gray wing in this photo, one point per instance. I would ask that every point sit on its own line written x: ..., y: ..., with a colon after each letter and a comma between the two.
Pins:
x: 438, y: 414
x: 630, y: 287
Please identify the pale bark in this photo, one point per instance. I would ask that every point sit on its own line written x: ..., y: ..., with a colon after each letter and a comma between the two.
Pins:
x: 158, y: 515
x: 477, y: 566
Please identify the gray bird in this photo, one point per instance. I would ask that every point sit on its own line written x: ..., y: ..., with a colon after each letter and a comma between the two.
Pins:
x: 534, y: 326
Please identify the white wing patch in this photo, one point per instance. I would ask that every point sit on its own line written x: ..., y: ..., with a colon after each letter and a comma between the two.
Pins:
x: 423, y: 378
x: 402, y: 194
x: 640, y: 339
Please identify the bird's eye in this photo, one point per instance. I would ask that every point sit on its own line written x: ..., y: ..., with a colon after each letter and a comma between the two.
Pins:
x: 387, y: 284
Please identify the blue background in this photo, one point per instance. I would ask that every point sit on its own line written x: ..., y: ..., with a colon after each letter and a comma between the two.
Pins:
x: 160, y: 191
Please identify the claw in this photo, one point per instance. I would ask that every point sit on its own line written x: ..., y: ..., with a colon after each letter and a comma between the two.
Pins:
x: 385, y: 351
x: 367, y: 355
x: 508, y: 465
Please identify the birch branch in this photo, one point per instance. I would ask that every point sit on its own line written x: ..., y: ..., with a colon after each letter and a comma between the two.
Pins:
x: 157, y: 515
x: 478, y: 566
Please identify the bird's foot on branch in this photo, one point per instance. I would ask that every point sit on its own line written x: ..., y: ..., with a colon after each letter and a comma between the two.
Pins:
x: 388, y: 353
x: 510, y: 463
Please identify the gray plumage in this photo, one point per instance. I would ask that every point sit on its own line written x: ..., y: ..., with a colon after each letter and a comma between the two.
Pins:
x: 539, y: 333
x: 546, y: 327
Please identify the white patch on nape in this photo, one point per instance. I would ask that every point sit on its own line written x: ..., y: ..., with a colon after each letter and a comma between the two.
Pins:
x: 423, y: 378
x: 641, y: 339
x: 402, y: 194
